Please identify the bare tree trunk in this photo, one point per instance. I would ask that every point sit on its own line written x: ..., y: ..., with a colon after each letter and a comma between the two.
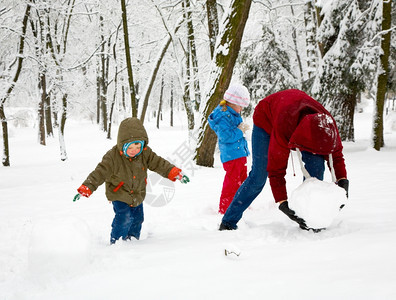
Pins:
x: 111, y: 116
x: 103, y: 106
x: 213, y: 24
x: 46, y: 107
x: 193, y: 55
x: 294, y: 37
x: 98, y: 91
x: 378, y: 137
x: 222, y: 67
x: 318, y: 18
x: 160, y: 103
x: 62, y: 124
x: 171, y: 104
x: 346, y: 105
x: 128, y: 59
x: 45, y: 115
x: 6, y: 149
x: 3, y: 119
x: 115, y: 87
x: 186, y: 94
x: 104, y: 77
x: 311, y: 45
x: 41, y: 113
x: 48, y: 113
x: 53, y: 112
x: 137, y: 93
x: 112, y: 109
x: 39, y: 49
x: 123, y: 97
x: 186, y: 91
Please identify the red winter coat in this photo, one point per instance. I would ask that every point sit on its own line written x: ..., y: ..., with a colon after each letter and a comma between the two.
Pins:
x: 295, y: 120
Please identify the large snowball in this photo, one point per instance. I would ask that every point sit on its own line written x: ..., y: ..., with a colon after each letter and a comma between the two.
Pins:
x: 317, y: 202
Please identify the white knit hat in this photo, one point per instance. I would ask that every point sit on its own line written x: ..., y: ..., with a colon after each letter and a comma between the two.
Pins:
x: 237, y: 94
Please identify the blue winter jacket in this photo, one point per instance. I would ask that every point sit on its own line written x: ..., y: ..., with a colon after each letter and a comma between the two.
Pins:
x: 232, y: 143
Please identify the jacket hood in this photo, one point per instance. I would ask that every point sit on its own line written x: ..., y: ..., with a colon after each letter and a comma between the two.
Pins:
x: 316, y: 133
x: 131, y: 129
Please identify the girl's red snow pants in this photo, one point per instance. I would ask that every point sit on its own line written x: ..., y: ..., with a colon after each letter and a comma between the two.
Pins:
x: 236, y: 173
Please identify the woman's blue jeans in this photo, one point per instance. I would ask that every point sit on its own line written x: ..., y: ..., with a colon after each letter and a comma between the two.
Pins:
x: 127, y: 222
x: 257, y: 178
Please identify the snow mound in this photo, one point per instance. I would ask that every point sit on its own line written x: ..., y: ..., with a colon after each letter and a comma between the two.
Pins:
x: 317, y: 202
x: 60, y: 247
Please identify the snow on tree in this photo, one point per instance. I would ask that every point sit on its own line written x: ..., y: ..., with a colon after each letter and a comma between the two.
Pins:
x: 10, y: 85
x: 348, y: 33
x: 265, y: 68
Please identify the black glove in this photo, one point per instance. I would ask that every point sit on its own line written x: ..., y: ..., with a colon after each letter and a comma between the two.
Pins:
x: 284, y: 207
x: 344, y: 183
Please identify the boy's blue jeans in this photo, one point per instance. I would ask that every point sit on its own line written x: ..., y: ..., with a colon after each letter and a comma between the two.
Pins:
x: 127, y: 221
x: 255, y: 182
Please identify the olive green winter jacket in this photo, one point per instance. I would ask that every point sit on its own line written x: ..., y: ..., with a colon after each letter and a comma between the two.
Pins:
x: 126, y: 178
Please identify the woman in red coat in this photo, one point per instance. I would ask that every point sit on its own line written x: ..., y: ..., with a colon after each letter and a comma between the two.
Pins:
x: 284, y: 121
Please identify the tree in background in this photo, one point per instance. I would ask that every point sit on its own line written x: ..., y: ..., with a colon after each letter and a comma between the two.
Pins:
x: 57, y: 40
x: 312, y: 20
x: 226, y: 51
x: 157, y: 64
x: 347, y: 35
x: 39, y: 29
x: 391, y: 85
x: 213, y: 24
x: 128, y: 59
x: 378, y: 137
x: 265, y: 68
x: 159, y: 112
x: 115, y: 81
x: 103, y: 61
x: 11, y: 84
x: 335, y: 45
x: 192, y: 54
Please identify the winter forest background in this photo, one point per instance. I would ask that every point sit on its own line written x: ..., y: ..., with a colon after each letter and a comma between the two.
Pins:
x: 72, y: 70
x: 71, y: 59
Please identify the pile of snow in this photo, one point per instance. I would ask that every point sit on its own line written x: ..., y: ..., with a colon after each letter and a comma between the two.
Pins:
x: 317, y: 202
x: 59, y: 247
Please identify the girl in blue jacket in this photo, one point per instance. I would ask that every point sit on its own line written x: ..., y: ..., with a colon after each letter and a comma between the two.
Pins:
x: 226, y: 122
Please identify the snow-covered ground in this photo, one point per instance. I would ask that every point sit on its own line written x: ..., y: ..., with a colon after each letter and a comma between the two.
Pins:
x: 54, y: 248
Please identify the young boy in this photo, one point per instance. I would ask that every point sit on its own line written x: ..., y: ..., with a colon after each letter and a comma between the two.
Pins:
x: 124, y: 169
x: 226, y: 122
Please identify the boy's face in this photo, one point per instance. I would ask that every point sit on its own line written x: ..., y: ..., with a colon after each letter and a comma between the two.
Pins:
x: 133, y: 149
x: 235, y: 107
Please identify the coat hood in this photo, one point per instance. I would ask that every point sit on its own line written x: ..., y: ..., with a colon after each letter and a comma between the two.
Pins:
x: 131, y: 129
x: 316, y: 133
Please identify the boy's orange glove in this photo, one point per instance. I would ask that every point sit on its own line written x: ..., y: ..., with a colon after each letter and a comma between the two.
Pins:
x: 83, y: 190
x: 176, y: 174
